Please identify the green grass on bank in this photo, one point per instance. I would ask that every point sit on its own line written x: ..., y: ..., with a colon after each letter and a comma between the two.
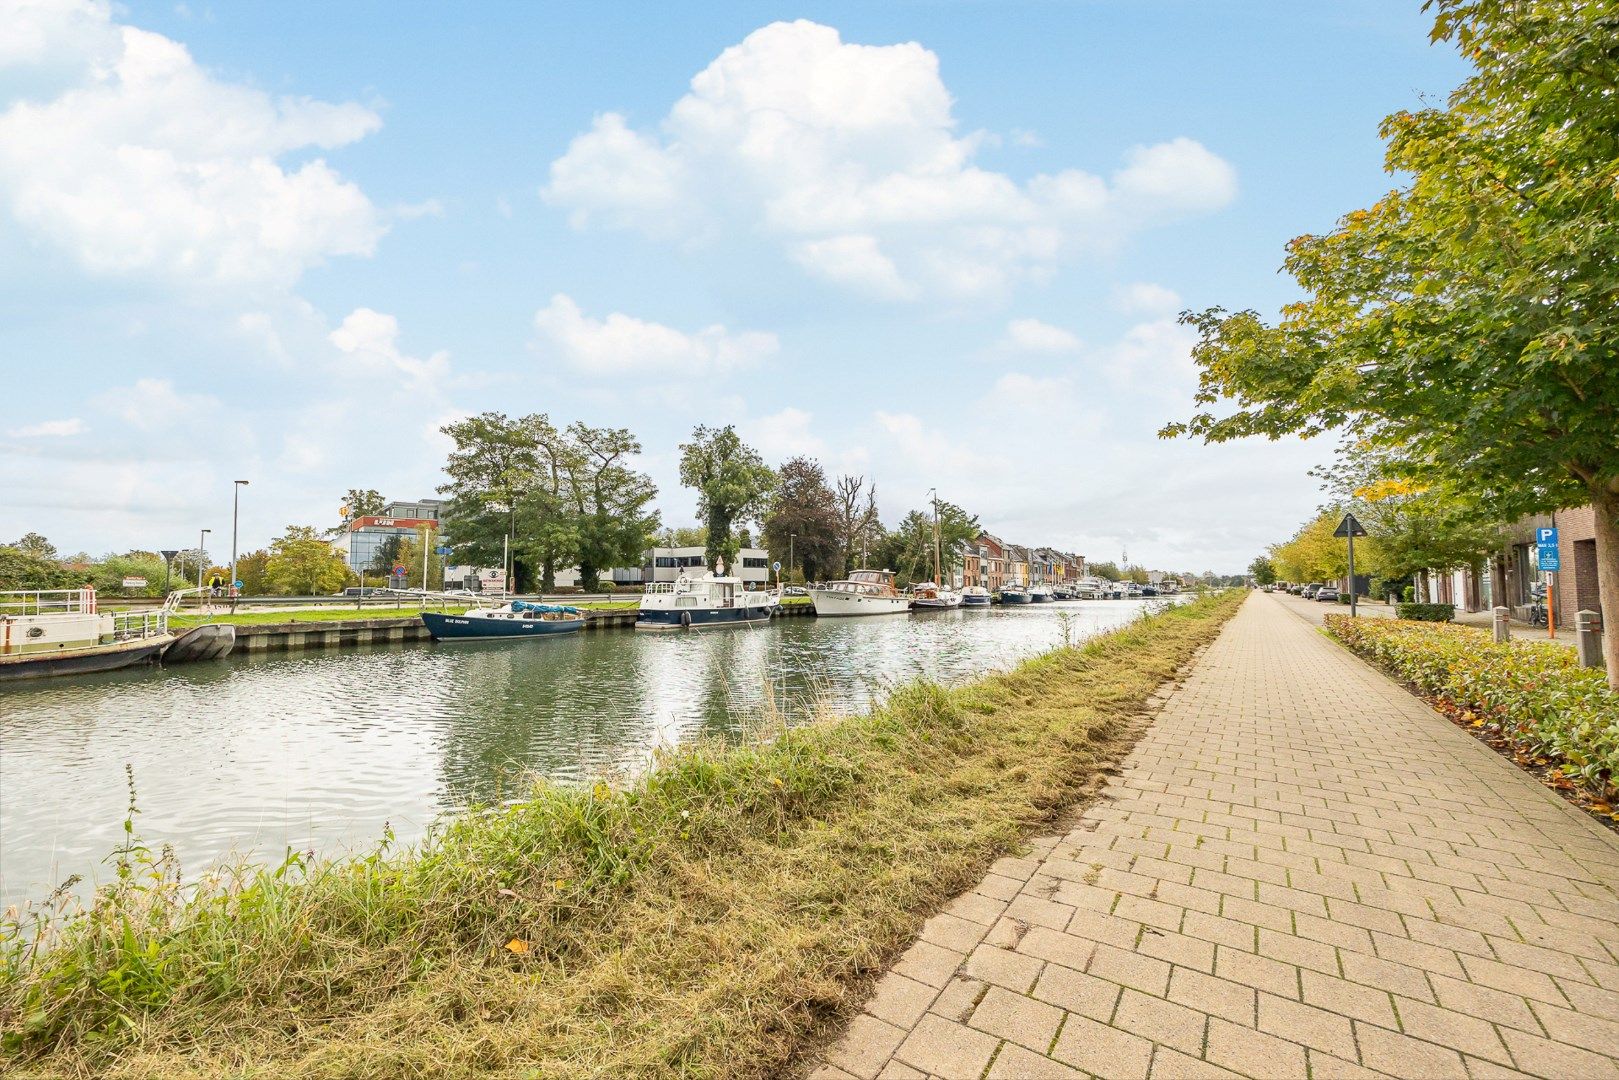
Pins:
x: 715, y: 918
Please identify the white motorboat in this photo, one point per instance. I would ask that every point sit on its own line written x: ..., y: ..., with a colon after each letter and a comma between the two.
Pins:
x: 863, y: 592
x: 1040, y: 593
x: 929, y: 597
x: 1091, y: 589
x: 702, y: 602
x: 975, y: 596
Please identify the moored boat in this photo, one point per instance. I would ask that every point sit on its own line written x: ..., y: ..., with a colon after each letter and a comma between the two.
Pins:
x: 62, y: 632
x: 863, y: 592
x: 930, y: 597
x: 1040, y: 594
x: 1014, y: 594
x: 703, y: 602
x: 518, y: 619
x: 975, y: 596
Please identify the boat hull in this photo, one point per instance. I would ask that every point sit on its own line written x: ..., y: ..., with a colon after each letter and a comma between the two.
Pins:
x: 460, y: 628
x: 1016, y: 598
x: 83, y: 661
x: 828, y: 602
x: 701, y: 618
x: 975, y: 601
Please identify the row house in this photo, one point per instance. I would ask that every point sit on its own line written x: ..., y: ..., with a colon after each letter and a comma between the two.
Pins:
x: 1018, y: 568
x: 971, y: 565
x: 991, y: 562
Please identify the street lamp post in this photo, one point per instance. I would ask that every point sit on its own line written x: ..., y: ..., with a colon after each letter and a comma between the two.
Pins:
x: 235, y: 506
x: 202, y: 559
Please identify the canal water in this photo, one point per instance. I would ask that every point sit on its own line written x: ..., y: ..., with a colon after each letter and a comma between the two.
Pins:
x: 251, y: 756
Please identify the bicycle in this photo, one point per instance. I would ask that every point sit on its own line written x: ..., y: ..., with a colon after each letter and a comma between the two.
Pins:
x: 1537, y: 614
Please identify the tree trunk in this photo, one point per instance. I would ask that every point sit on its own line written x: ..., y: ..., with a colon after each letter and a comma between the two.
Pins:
x: 589, y: 577
x: 548, y: 574
x: 1606, y: 502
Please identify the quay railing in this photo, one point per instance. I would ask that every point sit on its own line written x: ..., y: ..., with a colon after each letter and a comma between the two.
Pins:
x: 48, y: 602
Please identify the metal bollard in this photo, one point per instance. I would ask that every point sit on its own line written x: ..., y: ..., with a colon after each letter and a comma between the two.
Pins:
x: 1502, y: 633
x: 1588, y: 638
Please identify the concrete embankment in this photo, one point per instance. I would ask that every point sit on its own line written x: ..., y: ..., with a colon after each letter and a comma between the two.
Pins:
x: 348, y: 633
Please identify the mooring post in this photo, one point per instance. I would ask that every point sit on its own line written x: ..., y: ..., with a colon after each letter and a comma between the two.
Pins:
x: 1588, y: 638
x: 1502, y: 633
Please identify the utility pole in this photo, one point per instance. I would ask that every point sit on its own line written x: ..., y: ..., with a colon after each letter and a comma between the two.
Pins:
x: 235, y: 506
x: 202, y: 558
x: 792, y: 538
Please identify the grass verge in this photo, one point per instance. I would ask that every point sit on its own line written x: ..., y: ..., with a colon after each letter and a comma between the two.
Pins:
x: 712, y: 919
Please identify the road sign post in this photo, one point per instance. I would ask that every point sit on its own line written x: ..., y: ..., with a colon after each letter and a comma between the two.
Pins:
x: 1550, y: 560
x: 1349, y: 528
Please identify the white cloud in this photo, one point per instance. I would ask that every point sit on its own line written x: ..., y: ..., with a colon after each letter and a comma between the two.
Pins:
x: 369, y: 340
x: 142, y: 163
x: 155, y: 405
x: 48, y: 429
x: 1026, y: 138
x: 854, y: 261
x: 622, y: 344
x: 848, y: 156
x: 1145, y: 298
x: 1034, y: 336
x: 783, y: 435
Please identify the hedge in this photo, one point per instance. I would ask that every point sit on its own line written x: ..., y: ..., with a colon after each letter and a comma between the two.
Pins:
x: 1426, y: 612
x: 1532, y: 695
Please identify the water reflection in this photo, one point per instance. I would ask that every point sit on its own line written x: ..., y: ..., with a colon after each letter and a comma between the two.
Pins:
x: 321, y: 750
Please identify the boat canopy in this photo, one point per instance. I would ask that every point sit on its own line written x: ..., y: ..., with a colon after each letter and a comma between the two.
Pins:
x: 544, y: 609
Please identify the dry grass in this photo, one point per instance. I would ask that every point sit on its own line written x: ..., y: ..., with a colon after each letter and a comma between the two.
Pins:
x: 714, y: 919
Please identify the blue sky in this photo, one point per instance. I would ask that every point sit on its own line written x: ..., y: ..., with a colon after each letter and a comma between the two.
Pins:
x: 938, y: 244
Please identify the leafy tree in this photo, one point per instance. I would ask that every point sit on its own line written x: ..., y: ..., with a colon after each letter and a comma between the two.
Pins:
x: 32, y: 543
x: 302, y: 564
x: 386, y: 556
x: 1263, y: 571
x: 1108, y: 571
x: 908, y: 549
x: 23, y: 569
x: 733, y: 485
x: 801, y: 528
x: 362, y: 502
x: 251, y: 570
x: 613, y: 524
x: 495, y: 478
x: 188, y: 562
x: 109, y: 573
x: 1468, y: 322
x: 858, y: 524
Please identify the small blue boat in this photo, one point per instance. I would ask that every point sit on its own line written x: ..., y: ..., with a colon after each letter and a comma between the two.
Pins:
x: 1015, y: 594
x: 518, y: 619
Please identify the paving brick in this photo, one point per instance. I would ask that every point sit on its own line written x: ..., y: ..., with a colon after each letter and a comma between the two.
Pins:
x: 899, y: 1000
x: 1548, y: 1057
x: 1260, y: 972
x: 957, y: 935
x: 1178, y: 949
x: 1130, y: 969
x: 1016, y: 1063
x: 1400, y: 1055
x: 1164, y: 1022
x: 866, y: 1044
x: 898, y: 1070
x: 957, y: 1000
x: 1253, y: 1052
x: 1018, y: 1018
x: 928, y: 963
x: 1015, y: 971
x: 946, y: 1048
x: 1077, y: 992
x: 1457, y: 1030
x: 1307, y: 1025
x: 1215, y: 996
x: 1102, y: 1050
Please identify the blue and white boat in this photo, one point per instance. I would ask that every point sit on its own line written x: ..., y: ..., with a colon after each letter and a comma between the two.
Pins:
x: 702, y: 603
x: 1015, y: 594
x: 975, y: 596
x: 518, y: 619
x: 1040, y: 593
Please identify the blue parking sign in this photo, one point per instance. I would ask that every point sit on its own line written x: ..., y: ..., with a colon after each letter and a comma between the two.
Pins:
x: 1550, y: 559
x: 1546, y: 537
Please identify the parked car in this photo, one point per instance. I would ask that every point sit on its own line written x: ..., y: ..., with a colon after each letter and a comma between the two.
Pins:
x: 369, y: 590
x: 795, y: 590
x: 1327, y: 594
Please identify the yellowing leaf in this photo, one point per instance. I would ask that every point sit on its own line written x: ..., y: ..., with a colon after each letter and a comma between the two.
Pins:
x: 517, y: 945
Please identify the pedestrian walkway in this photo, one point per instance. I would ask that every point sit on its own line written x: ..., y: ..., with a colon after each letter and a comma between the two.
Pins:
x: 1302, y: 871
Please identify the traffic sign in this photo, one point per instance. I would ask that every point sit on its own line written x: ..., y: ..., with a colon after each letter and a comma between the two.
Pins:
x: 238, y: 583
x: 776, y: 566
x: 400, y: 570
x: 1551, y: 560
x: 1546, y: 537
x: 1349, y: 527
x: 441, y: 550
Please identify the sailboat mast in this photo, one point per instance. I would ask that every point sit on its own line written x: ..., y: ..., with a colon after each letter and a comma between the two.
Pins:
x: 938, y: 568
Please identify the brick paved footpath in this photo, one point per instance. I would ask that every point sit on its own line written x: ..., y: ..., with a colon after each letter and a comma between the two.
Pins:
x: 1302, y: 871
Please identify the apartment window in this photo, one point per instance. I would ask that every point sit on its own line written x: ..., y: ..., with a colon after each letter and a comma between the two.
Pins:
x: 755, y: 564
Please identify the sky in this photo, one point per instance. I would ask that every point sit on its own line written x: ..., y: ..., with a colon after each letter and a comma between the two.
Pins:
x: 938, y: 244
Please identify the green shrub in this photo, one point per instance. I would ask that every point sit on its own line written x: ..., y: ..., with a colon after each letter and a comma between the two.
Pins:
x: 1532, y: 694
x: 1408, y: 594
x: 1426, y: 612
